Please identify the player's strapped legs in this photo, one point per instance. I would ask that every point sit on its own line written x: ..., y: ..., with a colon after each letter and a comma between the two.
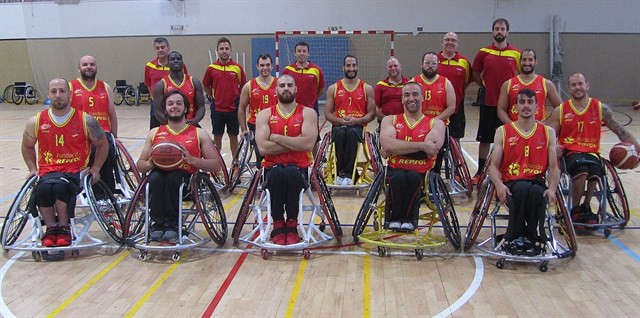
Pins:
x: 252, y: 128
x: 107, y: 170
x: 346, y: 140
x: 164, y: 187
x: 405, y: 189
x: 526, y: 210
x: 284, y: 184
x: 458, y: 122
x: 583, y: 164
x: 53, y: 187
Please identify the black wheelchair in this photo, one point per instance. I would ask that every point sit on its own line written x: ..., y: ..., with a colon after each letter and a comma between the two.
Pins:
x: 20, y: 91
x: 123, y: 92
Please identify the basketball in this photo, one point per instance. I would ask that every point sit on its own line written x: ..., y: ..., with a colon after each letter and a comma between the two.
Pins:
x: 624, y: 156
x: 166, y: 155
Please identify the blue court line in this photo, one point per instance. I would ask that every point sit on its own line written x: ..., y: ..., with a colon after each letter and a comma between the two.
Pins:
x: 625, y: 248
x: 9, y: 197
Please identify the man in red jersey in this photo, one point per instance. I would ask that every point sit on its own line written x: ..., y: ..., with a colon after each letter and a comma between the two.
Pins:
x: 223, y: 80
x: 544, y: 88
x: 411, y: 141
x: 95, y: 97
x: 308, y: 76
x: 492, y: 66
x: 198, y: 153
x: 523, y: 152
x: 388, y: 92
x: 155, y: 70
x: 350, y: 107
x: 257, y: 94
x: 577, y: 122
x: 285, y: 134
x: 177, y: 79
x: 64, y: 136
x: 457, y: 69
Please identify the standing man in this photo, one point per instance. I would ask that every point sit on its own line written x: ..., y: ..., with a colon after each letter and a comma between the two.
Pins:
x: 544, y: 89
x: 388, y: 92
x: 95, y: 97
x: 439, y: 97
x: 412, y: 142
x: 492, y: 66
x: 308, y: 76
x: 177, y: 79
x: 222, y: 81
x: 64, y: 136
x: 257, y: 94
x: 457, y: 69
x: 155, y: 70
x: 349, y: 108
x: 285, y: 134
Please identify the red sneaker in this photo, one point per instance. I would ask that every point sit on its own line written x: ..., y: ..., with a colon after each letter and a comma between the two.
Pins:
x: 49, y: 239
x: 278, y: 235
x: 475, y: 179
x: 64, y: 237
x: 292, y: 232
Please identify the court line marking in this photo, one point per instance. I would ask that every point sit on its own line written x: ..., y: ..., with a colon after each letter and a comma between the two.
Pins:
x: 366, y: 303
x: 4, y: 309
x: 473, y: 287
x: 152, y: 289
x: 296, y: 289
x: 225, y: 285
x: 625, y: 248
x: 88, y: 285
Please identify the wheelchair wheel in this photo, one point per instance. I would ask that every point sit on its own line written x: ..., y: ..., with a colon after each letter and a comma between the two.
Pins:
x: 327, y: 206
x: 373, y: 152
x: 319, y: 166
x: 240, y: 161
x: 15, y: 97
x: 479, y: 213
x: 369, y: 205
x: 30, y: 95
x: 461, y: 170
x: 248, y: 200
x: 7, y: 94
x: 130, y: 95
x: 118, y: 96
x: 134, y: 221
x: 563, y: 219
x: 210, y: 208
x: 106, y: 209
x: 18, y: 214
x: 220, y: 177
x: 446, y: 210
x: 127, y: 166
x: 616, y: 195
x: 484, y: 174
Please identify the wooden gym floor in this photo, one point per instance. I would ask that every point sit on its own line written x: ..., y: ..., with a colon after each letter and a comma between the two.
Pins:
x: 341, y: 281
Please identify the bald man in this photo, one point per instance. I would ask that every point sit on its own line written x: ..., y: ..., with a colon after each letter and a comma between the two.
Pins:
x: 457, y: 69
x: 388, y: 92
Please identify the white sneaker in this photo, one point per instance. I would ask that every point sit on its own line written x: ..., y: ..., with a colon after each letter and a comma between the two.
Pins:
x: 407, y: 226
x: 347, y: 182
x: 339, y: 180
x: 394, y: 225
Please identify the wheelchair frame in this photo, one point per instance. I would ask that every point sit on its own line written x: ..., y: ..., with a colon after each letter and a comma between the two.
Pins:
x: 124, y: 92
x: 241, y: 164
x: 19, y: 91
x: 455, y: 169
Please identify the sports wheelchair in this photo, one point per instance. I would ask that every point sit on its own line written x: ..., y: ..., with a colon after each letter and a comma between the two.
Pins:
x: 241, y: 166
x: 127, y: 175
x: 609, y: 192
x: 103, y: 207
x: 455, y: 170
x: 124, y: 92
x: 19, y: 91
x: 257, y: 202
x: 375, y: 210
x: 220, y: 177
x: 142, y: 94
x: 554, y: 248
x: 368, y: 162
x: 198, y: 199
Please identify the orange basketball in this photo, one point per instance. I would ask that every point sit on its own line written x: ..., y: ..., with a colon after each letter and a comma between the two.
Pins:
x: 166, y: 155
x: 624, y: 156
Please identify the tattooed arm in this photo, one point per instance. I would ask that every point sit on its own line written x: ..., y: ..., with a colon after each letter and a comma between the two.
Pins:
x: 98, y: 139
x: 616, y: 128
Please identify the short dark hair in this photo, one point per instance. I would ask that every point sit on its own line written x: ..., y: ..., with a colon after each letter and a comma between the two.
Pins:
x: 303, y: 43
x: 526, y: 92
x: 264, y: 56
x: 425, y: 54
x: 173, y: 92
x: 223, y: 40
x: 161, y: 40
x: 413, y: 83
x: 500, y: 20
x: 344, y: 60
x: 529, y: 50
x: 175, y: 52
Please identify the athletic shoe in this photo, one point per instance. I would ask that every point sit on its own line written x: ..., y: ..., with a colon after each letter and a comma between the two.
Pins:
x: 347, y: 182
x: 277, y: 234
x: 170, y: 235
x: 339, y: 180
x: 63, y: 238
x: 156, y: 235
x: 407, y: 226
x: 475, y: 179
x: 49, y: 239
x: 291, y: 232
x: 588, y: 215
x: 394, y: 225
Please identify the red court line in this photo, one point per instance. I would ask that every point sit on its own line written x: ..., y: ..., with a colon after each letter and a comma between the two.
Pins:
x: 225, y: 285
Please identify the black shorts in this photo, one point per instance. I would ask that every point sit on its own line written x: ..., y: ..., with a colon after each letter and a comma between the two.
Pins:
x: 458, y: 122
x: 580, y: 163
x: 488, y: 124
x: 219, y: 120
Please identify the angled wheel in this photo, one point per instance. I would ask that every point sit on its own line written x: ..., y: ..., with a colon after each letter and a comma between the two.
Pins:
x: 240, y: 161
x: 127, y: 166
x: 7, y: 94
x: 18, y: 214
x: 478, y: 214
x: 484, y: 174
x: 130, y: 95
x: 327, y: 206
x: 446, y: 210
x: 210, y: 208
x: 616, y: 196
x: 220, y: 177
x: 565, y: 224
x: 369, y: 205
x: 30, y: 95
x: 134, y: 220
x: 460, y: 169
x: 321, y: 166
x: 373, y: 152
x: 248, y: 200
x: 16, y: 97
x: 118, y: 95
x: 106, y: 209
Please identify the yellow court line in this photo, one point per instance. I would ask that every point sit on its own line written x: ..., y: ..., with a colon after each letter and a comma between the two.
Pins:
x: 88, y: 285
x: 152, y: 290
x: 366, y: 303
x: 296, y: 289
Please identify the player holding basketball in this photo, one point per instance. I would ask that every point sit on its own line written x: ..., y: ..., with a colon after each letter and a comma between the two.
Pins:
x: 523, y: 152
x: 198, y: 154
x: 285, y: 134
x: 577, y: 122
x: 544, y: 89
x: 64, y: 136
x: 388, y: 92
x: 257, y: 94
x: 177, y: 79
x: 350, y: 107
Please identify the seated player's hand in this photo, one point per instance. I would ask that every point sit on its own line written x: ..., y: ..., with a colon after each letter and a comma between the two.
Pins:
x: 559, y: 150
x: 243, y: 133
x: 32, y: 173
x: 95, y: 174
x: 550, y: 195
x: 502, y: 192
x: 186, y: 156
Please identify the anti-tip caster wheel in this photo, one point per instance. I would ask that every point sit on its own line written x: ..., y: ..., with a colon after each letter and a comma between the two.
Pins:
x: 175, y: 257
x: 544, y: 266
x: 382, y: 251
x: 143, y: 256
x: 607, y: 232
x: 306, y: 254
x: 322, y: 226
x: 419, y: 254
x: 376, y: 225
x: 500, y: 263
x: 265, y: 254
x: 75, y: 252
x: 37, y: 256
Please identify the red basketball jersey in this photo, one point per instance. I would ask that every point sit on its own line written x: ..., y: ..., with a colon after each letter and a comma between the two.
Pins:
x: 538, y: 85
x: 434, y: 93
x: 287, y: 125
x: 93, y: 101
x: 415, y: 133
x: 580, y: 131
x: 524, y: 157
x: 62, y: 148
x: 188, y: 137
x: 185, y: 87
x: 351, y: 103
x: 262, y: 97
